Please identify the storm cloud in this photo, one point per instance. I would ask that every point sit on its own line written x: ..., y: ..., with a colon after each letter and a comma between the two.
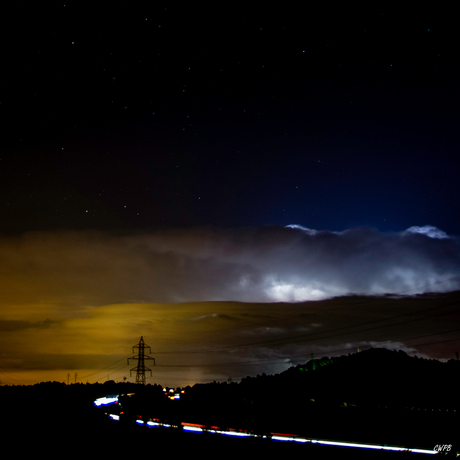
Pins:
x: 265, y: 264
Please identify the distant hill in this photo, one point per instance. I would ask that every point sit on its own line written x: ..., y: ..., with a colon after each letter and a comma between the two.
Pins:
x: 379, y: 377
x: 376, y: 396
x: 375, y: 378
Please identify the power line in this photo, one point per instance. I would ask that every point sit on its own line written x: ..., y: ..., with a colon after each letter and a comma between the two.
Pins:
x: 13, y: 376
x: 307, y: 337
x: 290, y: 357
x: 284, y: 358
x: 301, y: 338
x: 106, y: 367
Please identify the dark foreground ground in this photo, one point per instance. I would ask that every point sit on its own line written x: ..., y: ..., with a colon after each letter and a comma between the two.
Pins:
x: 58, y: 420
x: 90, y: 432
x: 119, y: 440
x: 116, y: 440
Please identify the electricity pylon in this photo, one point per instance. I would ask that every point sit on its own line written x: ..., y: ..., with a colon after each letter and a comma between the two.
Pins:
x: 140, y: 357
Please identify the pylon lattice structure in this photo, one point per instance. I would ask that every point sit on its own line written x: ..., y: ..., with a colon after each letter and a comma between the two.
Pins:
x: 141, y: 357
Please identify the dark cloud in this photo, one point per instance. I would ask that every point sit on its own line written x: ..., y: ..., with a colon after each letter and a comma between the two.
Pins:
x: 17, y: 325
x: 251, y: 265
x: 62, y: 361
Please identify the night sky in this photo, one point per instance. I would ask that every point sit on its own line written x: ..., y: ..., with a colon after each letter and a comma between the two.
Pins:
x: 209, y: 177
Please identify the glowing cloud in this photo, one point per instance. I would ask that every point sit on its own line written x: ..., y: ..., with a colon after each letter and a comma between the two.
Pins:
x: 428, y: 230
x: 49, y: 270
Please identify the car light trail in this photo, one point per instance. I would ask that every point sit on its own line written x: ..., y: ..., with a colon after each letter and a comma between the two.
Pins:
x: 106, y: 400
x: 193, y: 427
